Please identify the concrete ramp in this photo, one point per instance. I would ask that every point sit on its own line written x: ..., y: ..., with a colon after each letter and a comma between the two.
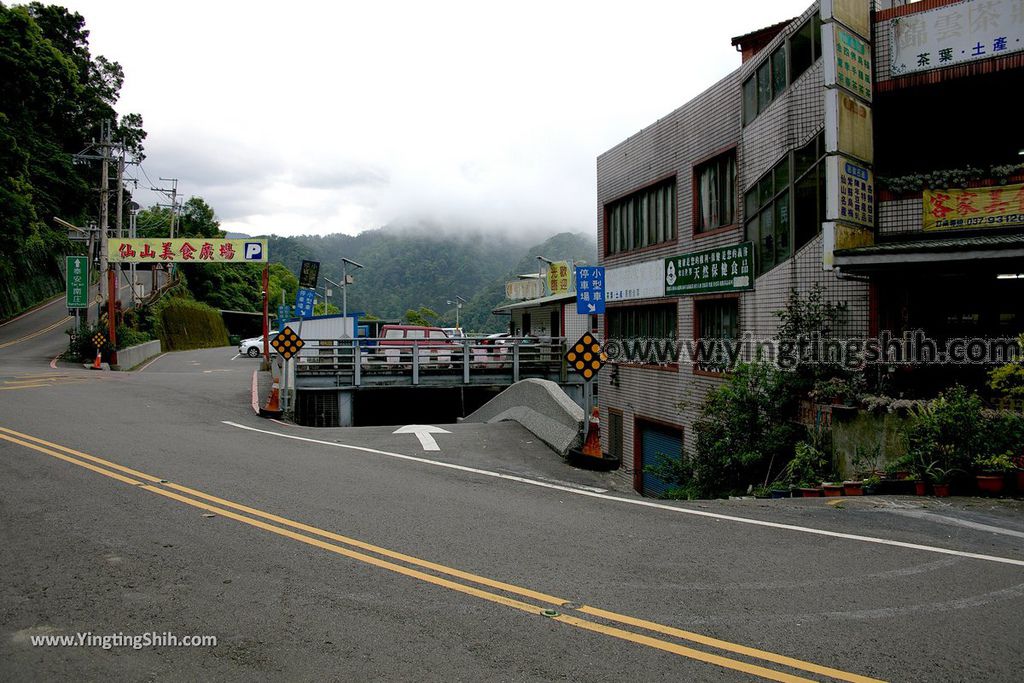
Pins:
x: 542, y: 407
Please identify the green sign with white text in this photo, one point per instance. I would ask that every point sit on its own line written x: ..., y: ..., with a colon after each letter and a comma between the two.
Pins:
x: 726, y: 269
x: 77, y: 281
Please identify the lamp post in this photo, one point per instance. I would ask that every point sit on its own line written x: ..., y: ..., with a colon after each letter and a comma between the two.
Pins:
x: 458, y: 306
x: 328, y: 281
x: 345, y: 263
x: 540, y: 273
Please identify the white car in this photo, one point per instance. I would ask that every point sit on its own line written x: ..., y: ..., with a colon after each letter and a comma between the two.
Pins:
x: 253, y: 346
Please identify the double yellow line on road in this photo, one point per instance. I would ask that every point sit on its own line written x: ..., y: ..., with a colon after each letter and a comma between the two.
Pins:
x: 37, y: 381
x: 509, y: 595
x: 33, y: 335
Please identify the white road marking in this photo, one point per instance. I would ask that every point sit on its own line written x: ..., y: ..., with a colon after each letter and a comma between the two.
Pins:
x: 151, y: 362
x: 648, y: 503
x: 235, y: 356
x: 423, y: 433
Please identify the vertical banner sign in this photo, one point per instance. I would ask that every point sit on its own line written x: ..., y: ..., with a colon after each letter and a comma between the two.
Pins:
x: 304, y: 302
x: 590, y: 294
x: 558, y: 277
x: 77, y: 281
x: 309, y: 274
x: 854, y: 202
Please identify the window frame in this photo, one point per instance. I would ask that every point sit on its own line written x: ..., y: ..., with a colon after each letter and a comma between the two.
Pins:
x: 698, y: 166
x: 705, y: 300
x: 671, y: 229
x: 785, y: 50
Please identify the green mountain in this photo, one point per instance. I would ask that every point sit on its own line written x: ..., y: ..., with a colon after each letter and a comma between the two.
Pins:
x: 424, y: 266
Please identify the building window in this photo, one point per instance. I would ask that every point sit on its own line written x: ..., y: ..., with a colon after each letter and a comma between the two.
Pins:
x: 715, y: 183
x: 771, y: 77
x: 642, y: 219
x: 656, y: 321
x: 615, y: 434
x: 785, y: 208
x: 716, y: 319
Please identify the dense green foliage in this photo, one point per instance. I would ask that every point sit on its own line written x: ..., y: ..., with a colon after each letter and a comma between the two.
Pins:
x: 55, y: 96
x: 183, y: 323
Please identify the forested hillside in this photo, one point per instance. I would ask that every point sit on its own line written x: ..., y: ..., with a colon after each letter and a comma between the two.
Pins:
x: 55, y: 94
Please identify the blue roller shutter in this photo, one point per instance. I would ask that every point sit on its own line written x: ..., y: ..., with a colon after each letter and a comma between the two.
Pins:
x: 655, y: 442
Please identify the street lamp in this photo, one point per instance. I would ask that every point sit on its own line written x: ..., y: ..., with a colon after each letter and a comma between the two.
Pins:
x: 458, y: 306
x: 540, y: 273
x: 345, y: 263
x: 328, y: 281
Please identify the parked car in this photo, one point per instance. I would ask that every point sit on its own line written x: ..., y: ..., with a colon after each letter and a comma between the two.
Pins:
x: 454, y: 332
x: 396, y: 342
x: 253, y: 346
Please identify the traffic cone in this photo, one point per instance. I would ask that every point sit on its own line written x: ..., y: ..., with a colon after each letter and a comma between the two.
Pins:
x: 97, y: 364
x: 273, y: 407
x: 592, y: 447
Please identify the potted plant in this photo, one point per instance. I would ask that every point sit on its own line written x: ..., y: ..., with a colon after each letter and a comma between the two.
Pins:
x: 940, y: 479
x: 808, y: 465
x: 991, y: 473
x: 871, y: 485
x: 832, y: 488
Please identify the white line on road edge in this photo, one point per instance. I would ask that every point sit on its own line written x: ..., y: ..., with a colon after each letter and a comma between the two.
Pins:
x: 33, y: 310
x: 647, y: 503
x: 151, y: 362
x: 255, y: 391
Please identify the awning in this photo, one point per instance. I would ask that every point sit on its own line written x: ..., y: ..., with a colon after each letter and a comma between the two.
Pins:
x: 531, y: 303
x: 962, y: 251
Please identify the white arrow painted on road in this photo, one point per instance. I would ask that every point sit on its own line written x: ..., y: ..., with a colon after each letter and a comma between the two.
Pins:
x: 423, y: 433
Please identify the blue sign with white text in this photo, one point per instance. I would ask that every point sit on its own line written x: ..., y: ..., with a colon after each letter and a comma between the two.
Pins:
x: 284, y: 312
x: 589, y: 290
x: 304, y: 302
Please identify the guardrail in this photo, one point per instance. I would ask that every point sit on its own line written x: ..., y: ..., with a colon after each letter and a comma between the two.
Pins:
x: 421, y: 361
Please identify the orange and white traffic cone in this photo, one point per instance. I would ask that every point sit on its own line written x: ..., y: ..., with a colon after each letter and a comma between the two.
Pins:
x: 97, y: 364
x: 273, y: 407
x: 592, y: 446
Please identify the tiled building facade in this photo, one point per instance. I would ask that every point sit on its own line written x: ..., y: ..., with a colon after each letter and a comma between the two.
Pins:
x: 768, y: 134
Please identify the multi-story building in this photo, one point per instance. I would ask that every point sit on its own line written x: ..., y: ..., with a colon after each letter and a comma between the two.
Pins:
x: 766, y: 183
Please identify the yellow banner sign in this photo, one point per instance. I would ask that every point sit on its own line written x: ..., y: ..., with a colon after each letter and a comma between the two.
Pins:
x: 1000, y: 206
x: 187, y: 250
x: 559, y: 276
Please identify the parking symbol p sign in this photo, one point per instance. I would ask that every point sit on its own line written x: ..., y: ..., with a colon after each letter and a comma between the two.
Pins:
x: 253, y: 251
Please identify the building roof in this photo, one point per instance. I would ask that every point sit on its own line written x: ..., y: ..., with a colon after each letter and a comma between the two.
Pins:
x: 761, y: 34
x: 966, y: 248
x: 544, y: 300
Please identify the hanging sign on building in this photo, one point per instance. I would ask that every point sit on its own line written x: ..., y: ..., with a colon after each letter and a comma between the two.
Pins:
x: 636, y: 281
x: 955, y: 34
x: 187, y: 250
x: 848, y: 128
x: 850, y: 191
x: 1000, y: 206
x: 853, y: 13
x: 847, y: 59
x: 521, y: 290
x: 559, y: 274
x: 725, y: 269
x: 838, y: 236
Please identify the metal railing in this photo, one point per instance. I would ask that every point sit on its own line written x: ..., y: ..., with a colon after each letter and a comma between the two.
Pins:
x: 366, y: 361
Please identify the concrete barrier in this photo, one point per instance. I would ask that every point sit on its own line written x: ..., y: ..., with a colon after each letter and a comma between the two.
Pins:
x: 133, y: 355
x: 542, y: 407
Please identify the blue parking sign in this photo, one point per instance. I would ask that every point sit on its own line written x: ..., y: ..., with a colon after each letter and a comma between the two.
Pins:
x: 304, y: 303
x: 589, y: 290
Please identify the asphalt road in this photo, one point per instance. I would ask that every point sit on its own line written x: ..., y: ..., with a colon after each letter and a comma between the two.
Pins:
x: 156, y: 501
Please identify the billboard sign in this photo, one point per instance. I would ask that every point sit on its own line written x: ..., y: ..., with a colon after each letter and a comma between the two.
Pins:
x: 590, y: 290
x: 725, y: 269
x: 1000, y: 206
x: 187, y: 250
x: 77, y: 291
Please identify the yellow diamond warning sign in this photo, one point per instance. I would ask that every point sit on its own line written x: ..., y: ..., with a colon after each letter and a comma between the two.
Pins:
x: 287, y: 343
x: 585, y: 356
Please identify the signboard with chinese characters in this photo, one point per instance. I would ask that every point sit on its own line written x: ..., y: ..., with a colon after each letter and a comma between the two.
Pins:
x: 637, y: 281
x: 558, y: 277
x: 725, y: 269
x: 850, y: 192
x: 837, y: 236
x: 187, y: 250
x: 954, y: 34
x: 521, y: 290
x: 77, y: 282
x: 853, y: 13
x: 1001, y: 206
x: 847, y: 60
x: 848, y: 127
x: 308, y: 274
x: 284, y: 312
x: 590, y: 290
x: 304, y: 299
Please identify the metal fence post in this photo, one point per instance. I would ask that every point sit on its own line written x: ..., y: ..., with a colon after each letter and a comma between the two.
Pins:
x: 415, y: 362
x: 515, y: 362
x: 465, y: 361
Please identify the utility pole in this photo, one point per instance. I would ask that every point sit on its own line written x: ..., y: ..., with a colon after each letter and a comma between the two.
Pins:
x: 344, y: 289
x: 172, y: 194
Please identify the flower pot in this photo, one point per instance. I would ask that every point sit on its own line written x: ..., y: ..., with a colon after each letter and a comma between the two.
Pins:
x: 833, y: 489
x: 810, y: 493
x: 871, y: 489
x: 920, y: 488
x: 990, y: 484
x: 941, y: 490
x: 853, y: 488
x: 780, y: 493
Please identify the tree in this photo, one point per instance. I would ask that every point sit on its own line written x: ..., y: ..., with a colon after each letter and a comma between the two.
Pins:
x: 423, y: 316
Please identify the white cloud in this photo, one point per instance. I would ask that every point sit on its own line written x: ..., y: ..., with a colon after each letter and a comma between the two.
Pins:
x: 340, y: 116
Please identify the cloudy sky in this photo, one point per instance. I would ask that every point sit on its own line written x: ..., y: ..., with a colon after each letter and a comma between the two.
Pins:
x: 322, y: 117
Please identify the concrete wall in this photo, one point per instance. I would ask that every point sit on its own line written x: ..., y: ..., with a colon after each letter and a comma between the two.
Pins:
x: 134, y: 355
x: 542, y: 407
